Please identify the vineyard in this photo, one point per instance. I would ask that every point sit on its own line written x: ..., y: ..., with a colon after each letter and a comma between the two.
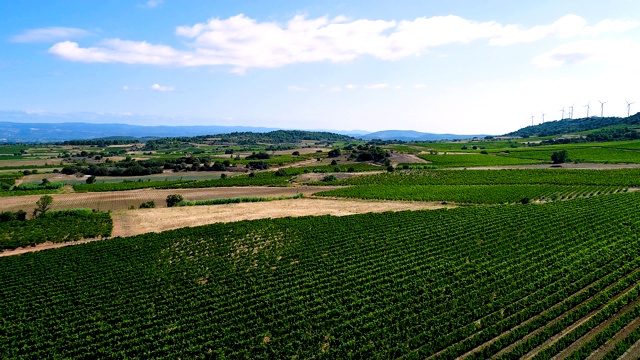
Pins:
x: 472, y: 194
x: 54, y: 226
x: 531, y: 281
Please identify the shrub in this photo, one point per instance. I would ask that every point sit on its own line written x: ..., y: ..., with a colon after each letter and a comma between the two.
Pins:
x: 390, y: 168
x: 329, y: 178
x: 560, y: 157
x: 335, y: 153
x: 484, y: 152
x: 525, y: 200
x: 296, y: 153
x: 174, y: 199
x: 91, y: 179
x: 148, y: 205
x: 281, y: 172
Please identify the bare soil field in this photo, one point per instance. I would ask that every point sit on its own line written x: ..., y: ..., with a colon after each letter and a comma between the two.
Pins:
x: 121, y: 200
x: 402, y: 158
x: 314, y: 177
x: 30, y: 162
x: 134, y: 222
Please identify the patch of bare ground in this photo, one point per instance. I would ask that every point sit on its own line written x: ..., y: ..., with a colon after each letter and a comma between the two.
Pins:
x: 45, y: 246
x: 314, y: 177
x: 30, y: 162
x: 609, y: 345
x: 633, y: 353
x: 402, y: 158
x: 586, y: 166
x: 134, y: 222
x: 120, y: 200
x: 586, y: 337
x: 560, y: 317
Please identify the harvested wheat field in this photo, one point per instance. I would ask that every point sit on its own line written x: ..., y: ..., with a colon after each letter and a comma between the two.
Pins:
x: 129, y: 223
x: 120, y: 200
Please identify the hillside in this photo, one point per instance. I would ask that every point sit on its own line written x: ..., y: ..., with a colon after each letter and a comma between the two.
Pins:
x: 410, y: 135
x: 566, y: 126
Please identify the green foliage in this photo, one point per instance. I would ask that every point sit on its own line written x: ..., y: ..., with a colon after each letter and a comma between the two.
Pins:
x: 237, y: 200
x: 560, y: 157
x: 54, y: 226
x: 148, y: 205
x: 390, y: 285
x: 618, y: 177
x: 467, y: 160
x: 334, y: 153
x: 329, y: 178
x: 471, y: 194
x: 42, y: 206
x: 91, y: 179
x: 174, y: 200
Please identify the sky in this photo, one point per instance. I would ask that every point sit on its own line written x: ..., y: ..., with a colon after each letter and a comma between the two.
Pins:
x: 460, y: 66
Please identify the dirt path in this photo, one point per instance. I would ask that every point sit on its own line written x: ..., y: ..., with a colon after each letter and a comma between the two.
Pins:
x: 140, y: 221
x: 603, y: 325
x: 45, y: 246
x: 121, y: 200
x: 609, y: 345
x: 633, y: 353
x: 134, y: 222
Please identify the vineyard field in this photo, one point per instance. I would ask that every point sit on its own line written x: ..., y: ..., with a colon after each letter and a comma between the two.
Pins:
x: 55, y: 226
x: 472, y: 194
x: 473, y: 282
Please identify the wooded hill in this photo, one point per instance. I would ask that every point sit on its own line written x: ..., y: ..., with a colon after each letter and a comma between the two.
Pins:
x: 567, y: 126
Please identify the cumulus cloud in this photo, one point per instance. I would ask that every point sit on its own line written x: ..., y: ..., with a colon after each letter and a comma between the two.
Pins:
x: 49, y: 34
x: 158, y: 87
x: 565, y: 27
x: 619, y: 52
x: 243, y: 43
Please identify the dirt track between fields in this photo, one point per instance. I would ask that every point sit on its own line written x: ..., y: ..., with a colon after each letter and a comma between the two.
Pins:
x: 140, y: 221
x: 121, y: 200
x: 585, y: 166
x: 129, y: 223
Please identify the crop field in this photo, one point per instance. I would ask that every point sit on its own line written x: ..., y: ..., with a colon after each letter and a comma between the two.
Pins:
x: 524, y: 281
x: 472, y: 194
x: 123, y: 200
x: 467, y: 160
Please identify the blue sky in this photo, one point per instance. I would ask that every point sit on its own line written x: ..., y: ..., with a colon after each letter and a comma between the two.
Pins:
x: 463, y: 67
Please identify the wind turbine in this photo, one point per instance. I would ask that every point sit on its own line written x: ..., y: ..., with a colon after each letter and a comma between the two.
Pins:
x: 587, y: 106
x: 629, y: 107
x: 602, y: 107
x: 543, y: 114
x: 532, y: 120
x: 571, y: 113
x: 562, y: 113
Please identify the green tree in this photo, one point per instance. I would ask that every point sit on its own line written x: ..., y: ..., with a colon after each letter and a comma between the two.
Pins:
x: 174, y: 199
x: 560, y: 157
x: 42, y: 206
x: 91, y: 179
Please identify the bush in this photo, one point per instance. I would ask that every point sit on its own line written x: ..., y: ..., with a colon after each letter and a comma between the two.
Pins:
x: 335, y: 153
x: 560, y: 157
x: 484, y: 152
x: 525, y: 200
x: 329, y: 178
x: 296, y: 153
x: 281, y: 172
x: 390, y: 168
x: 334, y: 163
x: 224, y: 176
x: 91, y: 179
x: 174, y: 199
x: 148, y: 205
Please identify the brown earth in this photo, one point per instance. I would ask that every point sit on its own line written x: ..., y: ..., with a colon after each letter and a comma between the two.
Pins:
x: 402, y: 158
x: 129, y: 223
x: 121, y: 200
x: 609, y: 345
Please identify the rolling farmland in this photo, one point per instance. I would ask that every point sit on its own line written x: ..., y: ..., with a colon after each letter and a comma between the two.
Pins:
x: 473, y: 282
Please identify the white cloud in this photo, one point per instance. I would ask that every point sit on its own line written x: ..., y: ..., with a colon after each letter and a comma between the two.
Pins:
x: 419, y: 86
x: 565, y: 27
x: 351, y: 86
x: 243, y: 43
x: 125, y: 88
x: 620, y: 52
x: 158, y: 87
x: 153, y: 3
x: 376, y: 86
x: 49, y: 34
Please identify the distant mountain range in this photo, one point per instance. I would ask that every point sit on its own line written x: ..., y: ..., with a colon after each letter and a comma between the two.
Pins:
x: 19, y: 126
x: 410, y: 135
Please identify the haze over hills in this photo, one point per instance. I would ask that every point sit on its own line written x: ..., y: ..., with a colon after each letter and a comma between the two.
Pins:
x: 18, y: 126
